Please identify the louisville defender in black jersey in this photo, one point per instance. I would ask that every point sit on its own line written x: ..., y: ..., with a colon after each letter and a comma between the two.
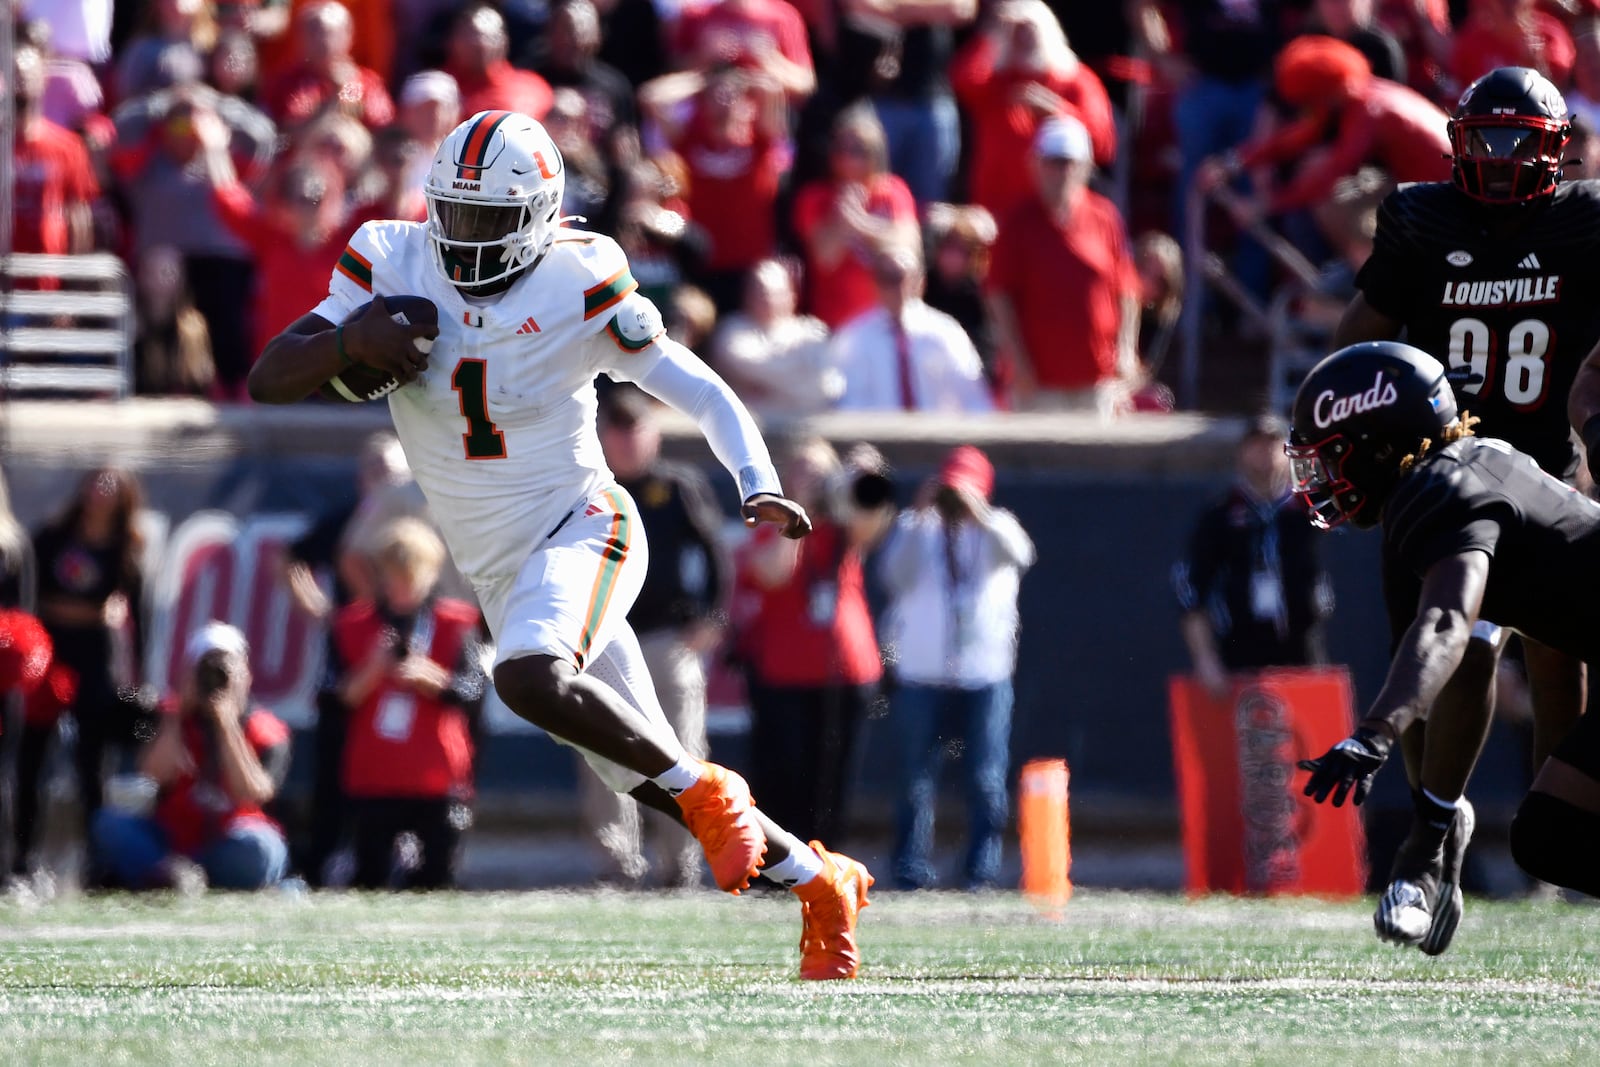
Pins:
x: 1472, y: 528
x: 1496, y: 272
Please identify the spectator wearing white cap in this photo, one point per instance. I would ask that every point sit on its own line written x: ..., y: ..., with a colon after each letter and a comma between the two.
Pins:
x: 323, y: 76
x: 215, y: 762
x: 1063, y: 291
x: 430, y: 107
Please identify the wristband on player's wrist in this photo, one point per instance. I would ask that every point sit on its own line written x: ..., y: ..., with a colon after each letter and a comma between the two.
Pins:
x: 1591, y: 437
x: 757, y: 479
x: 338, y: 341
x: 1377, y: 735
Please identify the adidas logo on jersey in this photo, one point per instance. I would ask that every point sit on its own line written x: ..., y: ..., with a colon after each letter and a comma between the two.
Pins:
x: 1529, y: 262
x: 528, y: 327
x: 1505, y: 292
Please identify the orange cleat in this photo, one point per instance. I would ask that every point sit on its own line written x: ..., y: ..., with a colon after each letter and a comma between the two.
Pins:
x: 718, y: 812
x: 829, y: 906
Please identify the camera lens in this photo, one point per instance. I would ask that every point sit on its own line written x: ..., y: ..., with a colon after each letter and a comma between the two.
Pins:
x: 211, y: 676
x: 871, y: 490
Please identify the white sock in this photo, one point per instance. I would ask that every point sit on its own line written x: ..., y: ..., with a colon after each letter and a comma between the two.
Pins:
x: 1443, y: 803
x: 797, y: 868
x: 680, y: 776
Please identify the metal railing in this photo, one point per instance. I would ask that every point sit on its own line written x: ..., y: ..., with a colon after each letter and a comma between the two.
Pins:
x: 76, y: 340
x: 1294, y: 344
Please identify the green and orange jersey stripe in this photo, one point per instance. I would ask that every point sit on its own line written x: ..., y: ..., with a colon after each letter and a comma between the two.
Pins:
x: 356, y: 267
x: 475, y: 156
x: 608, y: 294
x: 613, y: 555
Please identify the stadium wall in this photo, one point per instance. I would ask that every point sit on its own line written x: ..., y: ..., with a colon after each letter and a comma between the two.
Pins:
x: 1109, y: 506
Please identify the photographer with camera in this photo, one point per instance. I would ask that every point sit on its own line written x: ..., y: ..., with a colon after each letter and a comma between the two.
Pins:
x: 810, y: 649
x: 952, y: 568
x: 215, y: 763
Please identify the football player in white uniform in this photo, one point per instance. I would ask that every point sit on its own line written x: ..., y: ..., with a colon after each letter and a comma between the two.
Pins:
x: 498, y: 423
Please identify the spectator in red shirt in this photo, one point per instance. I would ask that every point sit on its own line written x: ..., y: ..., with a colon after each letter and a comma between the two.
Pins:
x: 1063, y: 290
x: 847, y: 219
x: 55, y: 184
x: 405, y: 668
x: 164, y: 185
x: 731, y: 128
x: 1510, y: 33
x: 1012, y: 76
x: 810, y: 650
x: 324, y: 76
x: 216, y: 762
x: 1376, y: 122
x: 764, y: 35
x: 376, y: 24
x: 477, y: 60
x: 296, y: 232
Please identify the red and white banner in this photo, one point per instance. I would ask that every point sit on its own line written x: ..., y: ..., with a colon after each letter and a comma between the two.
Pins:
x: 217, y: 566
x: 1246, y: 826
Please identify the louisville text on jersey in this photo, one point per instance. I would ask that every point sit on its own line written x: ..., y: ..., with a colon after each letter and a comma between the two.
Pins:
x: 1508, y: 292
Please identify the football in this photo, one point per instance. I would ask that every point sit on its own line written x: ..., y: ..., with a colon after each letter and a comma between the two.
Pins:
x: 361, y: 383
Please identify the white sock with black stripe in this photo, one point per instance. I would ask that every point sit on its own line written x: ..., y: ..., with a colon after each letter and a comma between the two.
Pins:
x: 680, y: 776
x: 797, y: 868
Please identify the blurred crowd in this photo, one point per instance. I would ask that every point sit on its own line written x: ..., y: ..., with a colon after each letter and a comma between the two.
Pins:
x: 916, y: 204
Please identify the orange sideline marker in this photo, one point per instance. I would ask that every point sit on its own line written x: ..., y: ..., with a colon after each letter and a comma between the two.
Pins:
x: 1045, y: 827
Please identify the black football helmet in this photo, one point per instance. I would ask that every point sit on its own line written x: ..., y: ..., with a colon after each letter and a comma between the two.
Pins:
x: 1357, y: 415
x: 1508, y: 137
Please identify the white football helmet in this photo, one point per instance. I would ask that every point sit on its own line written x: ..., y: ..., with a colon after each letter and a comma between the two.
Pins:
x: 494, y: 198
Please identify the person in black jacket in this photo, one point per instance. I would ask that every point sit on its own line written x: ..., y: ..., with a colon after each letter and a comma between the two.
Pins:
x: 90, y: 584
x: 1252, y: 590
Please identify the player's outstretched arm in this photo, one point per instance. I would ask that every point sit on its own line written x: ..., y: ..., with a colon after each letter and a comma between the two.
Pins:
x: 302, y: 358
x: 676, y: 376
x: 1428, y: 654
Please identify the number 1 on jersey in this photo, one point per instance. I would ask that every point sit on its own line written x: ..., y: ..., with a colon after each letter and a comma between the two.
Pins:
x: 483, y: 440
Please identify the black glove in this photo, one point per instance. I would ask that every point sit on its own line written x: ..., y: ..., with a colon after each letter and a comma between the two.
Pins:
x: 1347, y: 766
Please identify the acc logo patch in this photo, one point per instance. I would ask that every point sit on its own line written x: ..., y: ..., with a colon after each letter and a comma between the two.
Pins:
x: 1458, y: 259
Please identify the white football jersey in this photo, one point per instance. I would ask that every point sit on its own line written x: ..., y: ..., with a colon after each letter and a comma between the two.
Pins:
x: 500, y: 429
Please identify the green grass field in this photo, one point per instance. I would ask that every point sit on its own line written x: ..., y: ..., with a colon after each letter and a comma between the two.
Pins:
x: 609, y: 978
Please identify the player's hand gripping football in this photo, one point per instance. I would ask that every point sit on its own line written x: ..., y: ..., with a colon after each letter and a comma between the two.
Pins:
x: 779, y: 511
x: 378, y: 341
x: 1347, y: 768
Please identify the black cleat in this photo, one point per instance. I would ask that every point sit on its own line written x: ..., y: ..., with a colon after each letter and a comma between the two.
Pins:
x: 1447, y: 899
